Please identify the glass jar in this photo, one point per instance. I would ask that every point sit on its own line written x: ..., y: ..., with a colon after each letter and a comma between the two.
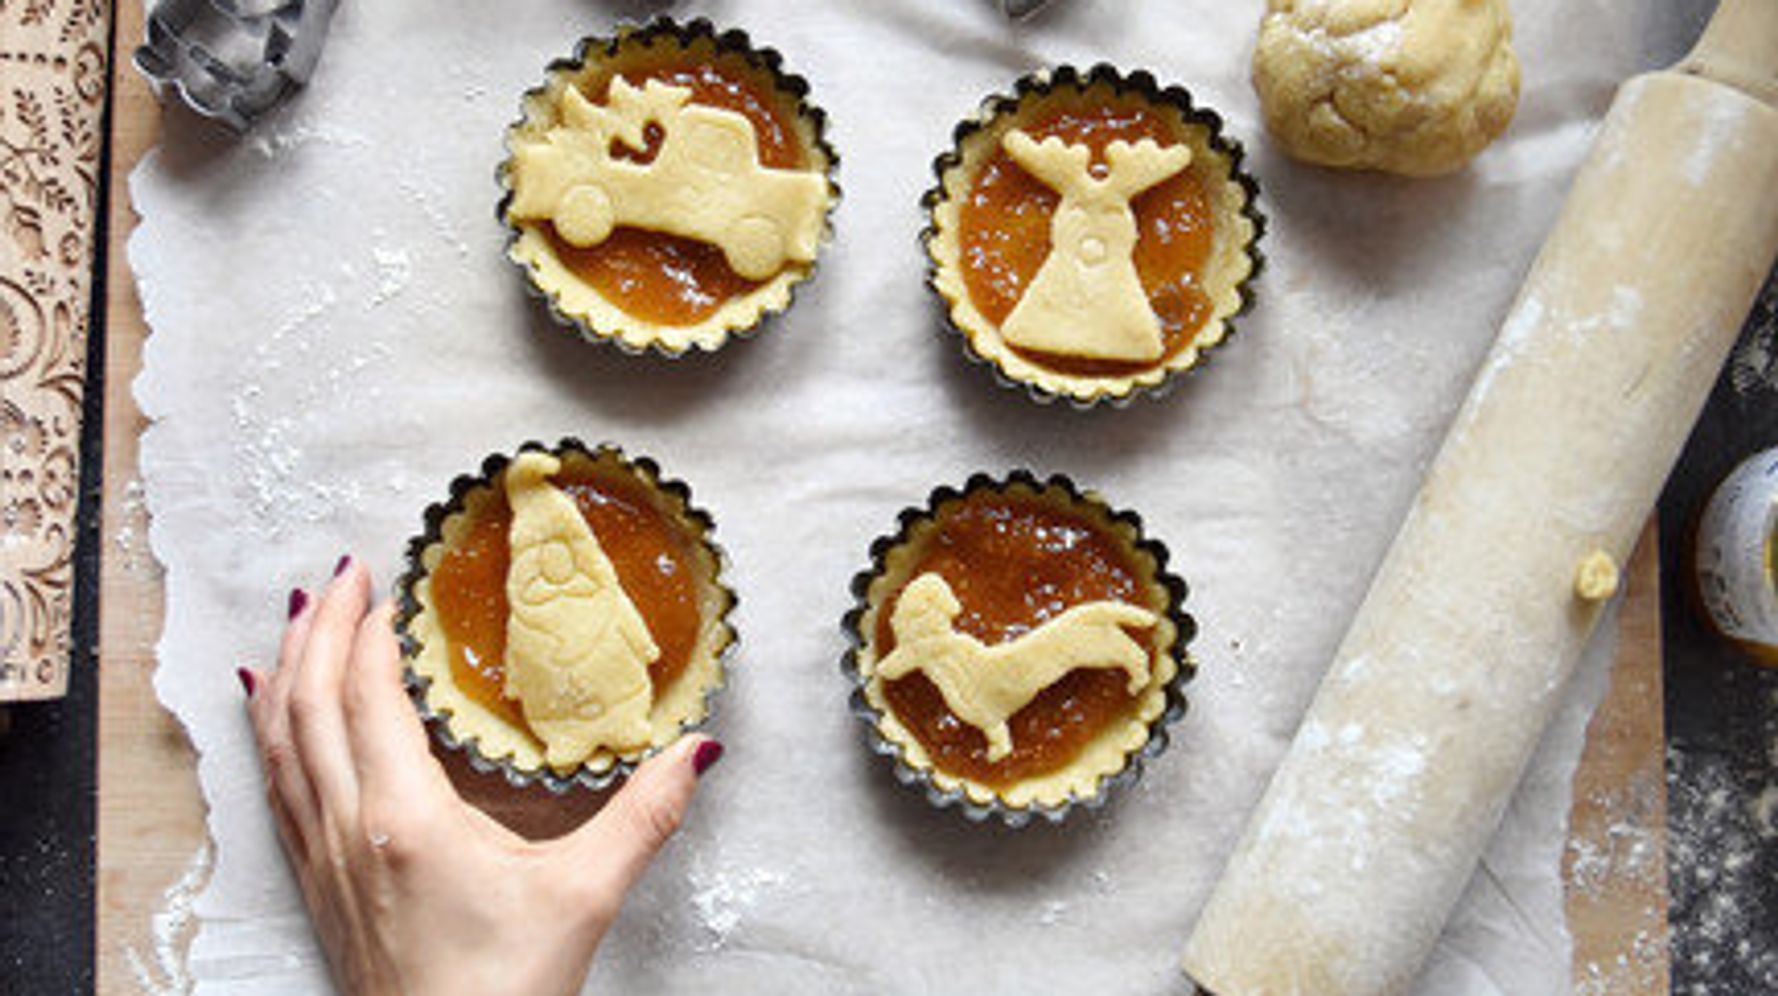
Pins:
x: 1734, y: 556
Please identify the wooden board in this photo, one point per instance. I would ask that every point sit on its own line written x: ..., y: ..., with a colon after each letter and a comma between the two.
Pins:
x: 1616, y: 864
x: 151, y: 819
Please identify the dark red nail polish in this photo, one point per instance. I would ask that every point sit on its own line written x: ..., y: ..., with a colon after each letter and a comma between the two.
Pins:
x: 299, y: 600
x: 708, y: 753
x: 248, y: 682
x: 340, y: 568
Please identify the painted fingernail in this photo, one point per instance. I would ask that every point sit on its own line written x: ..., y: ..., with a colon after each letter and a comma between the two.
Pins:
x: 708, y: 753
x: 248, y: 682
x: 340, y: 568
x: 299, y: 600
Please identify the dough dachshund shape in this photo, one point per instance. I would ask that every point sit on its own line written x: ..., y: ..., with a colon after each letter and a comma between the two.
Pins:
x: 985, y: 685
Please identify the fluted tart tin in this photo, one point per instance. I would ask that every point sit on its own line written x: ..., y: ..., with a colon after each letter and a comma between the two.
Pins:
x: 1092, y: 236
x: 452, y: 612
x: 1017, y: 648
x: 667, y: 187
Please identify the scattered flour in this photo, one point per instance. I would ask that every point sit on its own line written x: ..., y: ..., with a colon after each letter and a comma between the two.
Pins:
x: 1722, y: 863
x: 1626, y: 308
x: 1367, y: 46
x: 722, y: 897
x: 441, y: 222
x: 277, y: 475
x: 1638, y: 971
x: 271, y: 143
x: 1620, y: 857
x: 164, y: 972
x: 1753, y: 368
x: 394, y: 271
x: 1631, y: 852
x: 1722, y: 131
x: 1375, y: 43
x: 132, y: 533
x: 1765, y: 813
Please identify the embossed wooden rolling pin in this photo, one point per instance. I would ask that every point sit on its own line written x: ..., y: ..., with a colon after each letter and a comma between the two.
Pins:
x: 1436, y: 699
x: 52, y: 86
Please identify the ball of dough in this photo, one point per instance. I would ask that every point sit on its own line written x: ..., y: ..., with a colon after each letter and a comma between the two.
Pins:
x: 1416, y: 87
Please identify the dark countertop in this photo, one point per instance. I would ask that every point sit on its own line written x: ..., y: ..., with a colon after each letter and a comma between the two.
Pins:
x: 49, y: 779
x: 1722, y: 711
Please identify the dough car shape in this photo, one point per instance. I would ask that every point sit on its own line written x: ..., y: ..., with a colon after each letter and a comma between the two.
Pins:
x: 705, y: 181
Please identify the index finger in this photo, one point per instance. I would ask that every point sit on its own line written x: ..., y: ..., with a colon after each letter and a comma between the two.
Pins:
x: 387, y: 740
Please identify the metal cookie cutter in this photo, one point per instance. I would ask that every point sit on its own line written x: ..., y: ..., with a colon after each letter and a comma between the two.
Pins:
x: 1017, y: 9
x: 233, y: 60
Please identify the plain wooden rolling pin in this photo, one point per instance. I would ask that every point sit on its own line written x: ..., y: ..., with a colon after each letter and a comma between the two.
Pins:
x: 1398, y: 777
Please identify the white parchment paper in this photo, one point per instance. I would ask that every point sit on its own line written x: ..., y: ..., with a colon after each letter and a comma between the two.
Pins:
x: 336, y: 334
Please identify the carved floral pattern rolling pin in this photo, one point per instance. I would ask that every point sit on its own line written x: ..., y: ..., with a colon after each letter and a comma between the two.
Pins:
x: 52, y: 101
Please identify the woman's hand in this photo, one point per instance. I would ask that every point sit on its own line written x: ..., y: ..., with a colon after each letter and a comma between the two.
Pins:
x: 411, y: 889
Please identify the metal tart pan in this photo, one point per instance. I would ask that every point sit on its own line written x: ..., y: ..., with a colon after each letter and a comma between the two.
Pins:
x: 407, y: 609
x: 1040, y: 84
x: 593, y: 48
x: 921, y: 779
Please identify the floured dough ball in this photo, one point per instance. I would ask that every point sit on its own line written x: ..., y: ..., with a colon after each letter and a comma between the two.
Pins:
x: 1416, y: 87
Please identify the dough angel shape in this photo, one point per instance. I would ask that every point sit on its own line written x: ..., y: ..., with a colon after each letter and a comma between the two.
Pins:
x: 1086, y: 299
x: 705, y: 182
x: 985, y: 685
x: 577, y: 648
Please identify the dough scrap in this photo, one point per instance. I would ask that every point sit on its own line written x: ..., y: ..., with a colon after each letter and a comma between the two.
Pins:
x: 1597, y: 578
x: 985, y: 685
x: 1416, y: 87
x: 577, y: 648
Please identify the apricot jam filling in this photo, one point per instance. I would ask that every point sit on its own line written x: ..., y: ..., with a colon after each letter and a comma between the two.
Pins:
x: 665, y: 279
x: 1015, y: 560
x: 655, y: 562
x: 1005, y: 232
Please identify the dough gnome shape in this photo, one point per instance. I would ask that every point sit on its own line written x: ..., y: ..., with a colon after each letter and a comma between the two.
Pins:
x: 705, y: 181
x: 986, y: 685
x: 1416, y: 87
x: 577, y: 649
x: 1086, y: 299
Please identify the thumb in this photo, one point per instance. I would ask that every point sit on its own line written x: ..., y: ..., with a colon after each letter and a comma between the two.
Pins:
x: 638, y: 821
